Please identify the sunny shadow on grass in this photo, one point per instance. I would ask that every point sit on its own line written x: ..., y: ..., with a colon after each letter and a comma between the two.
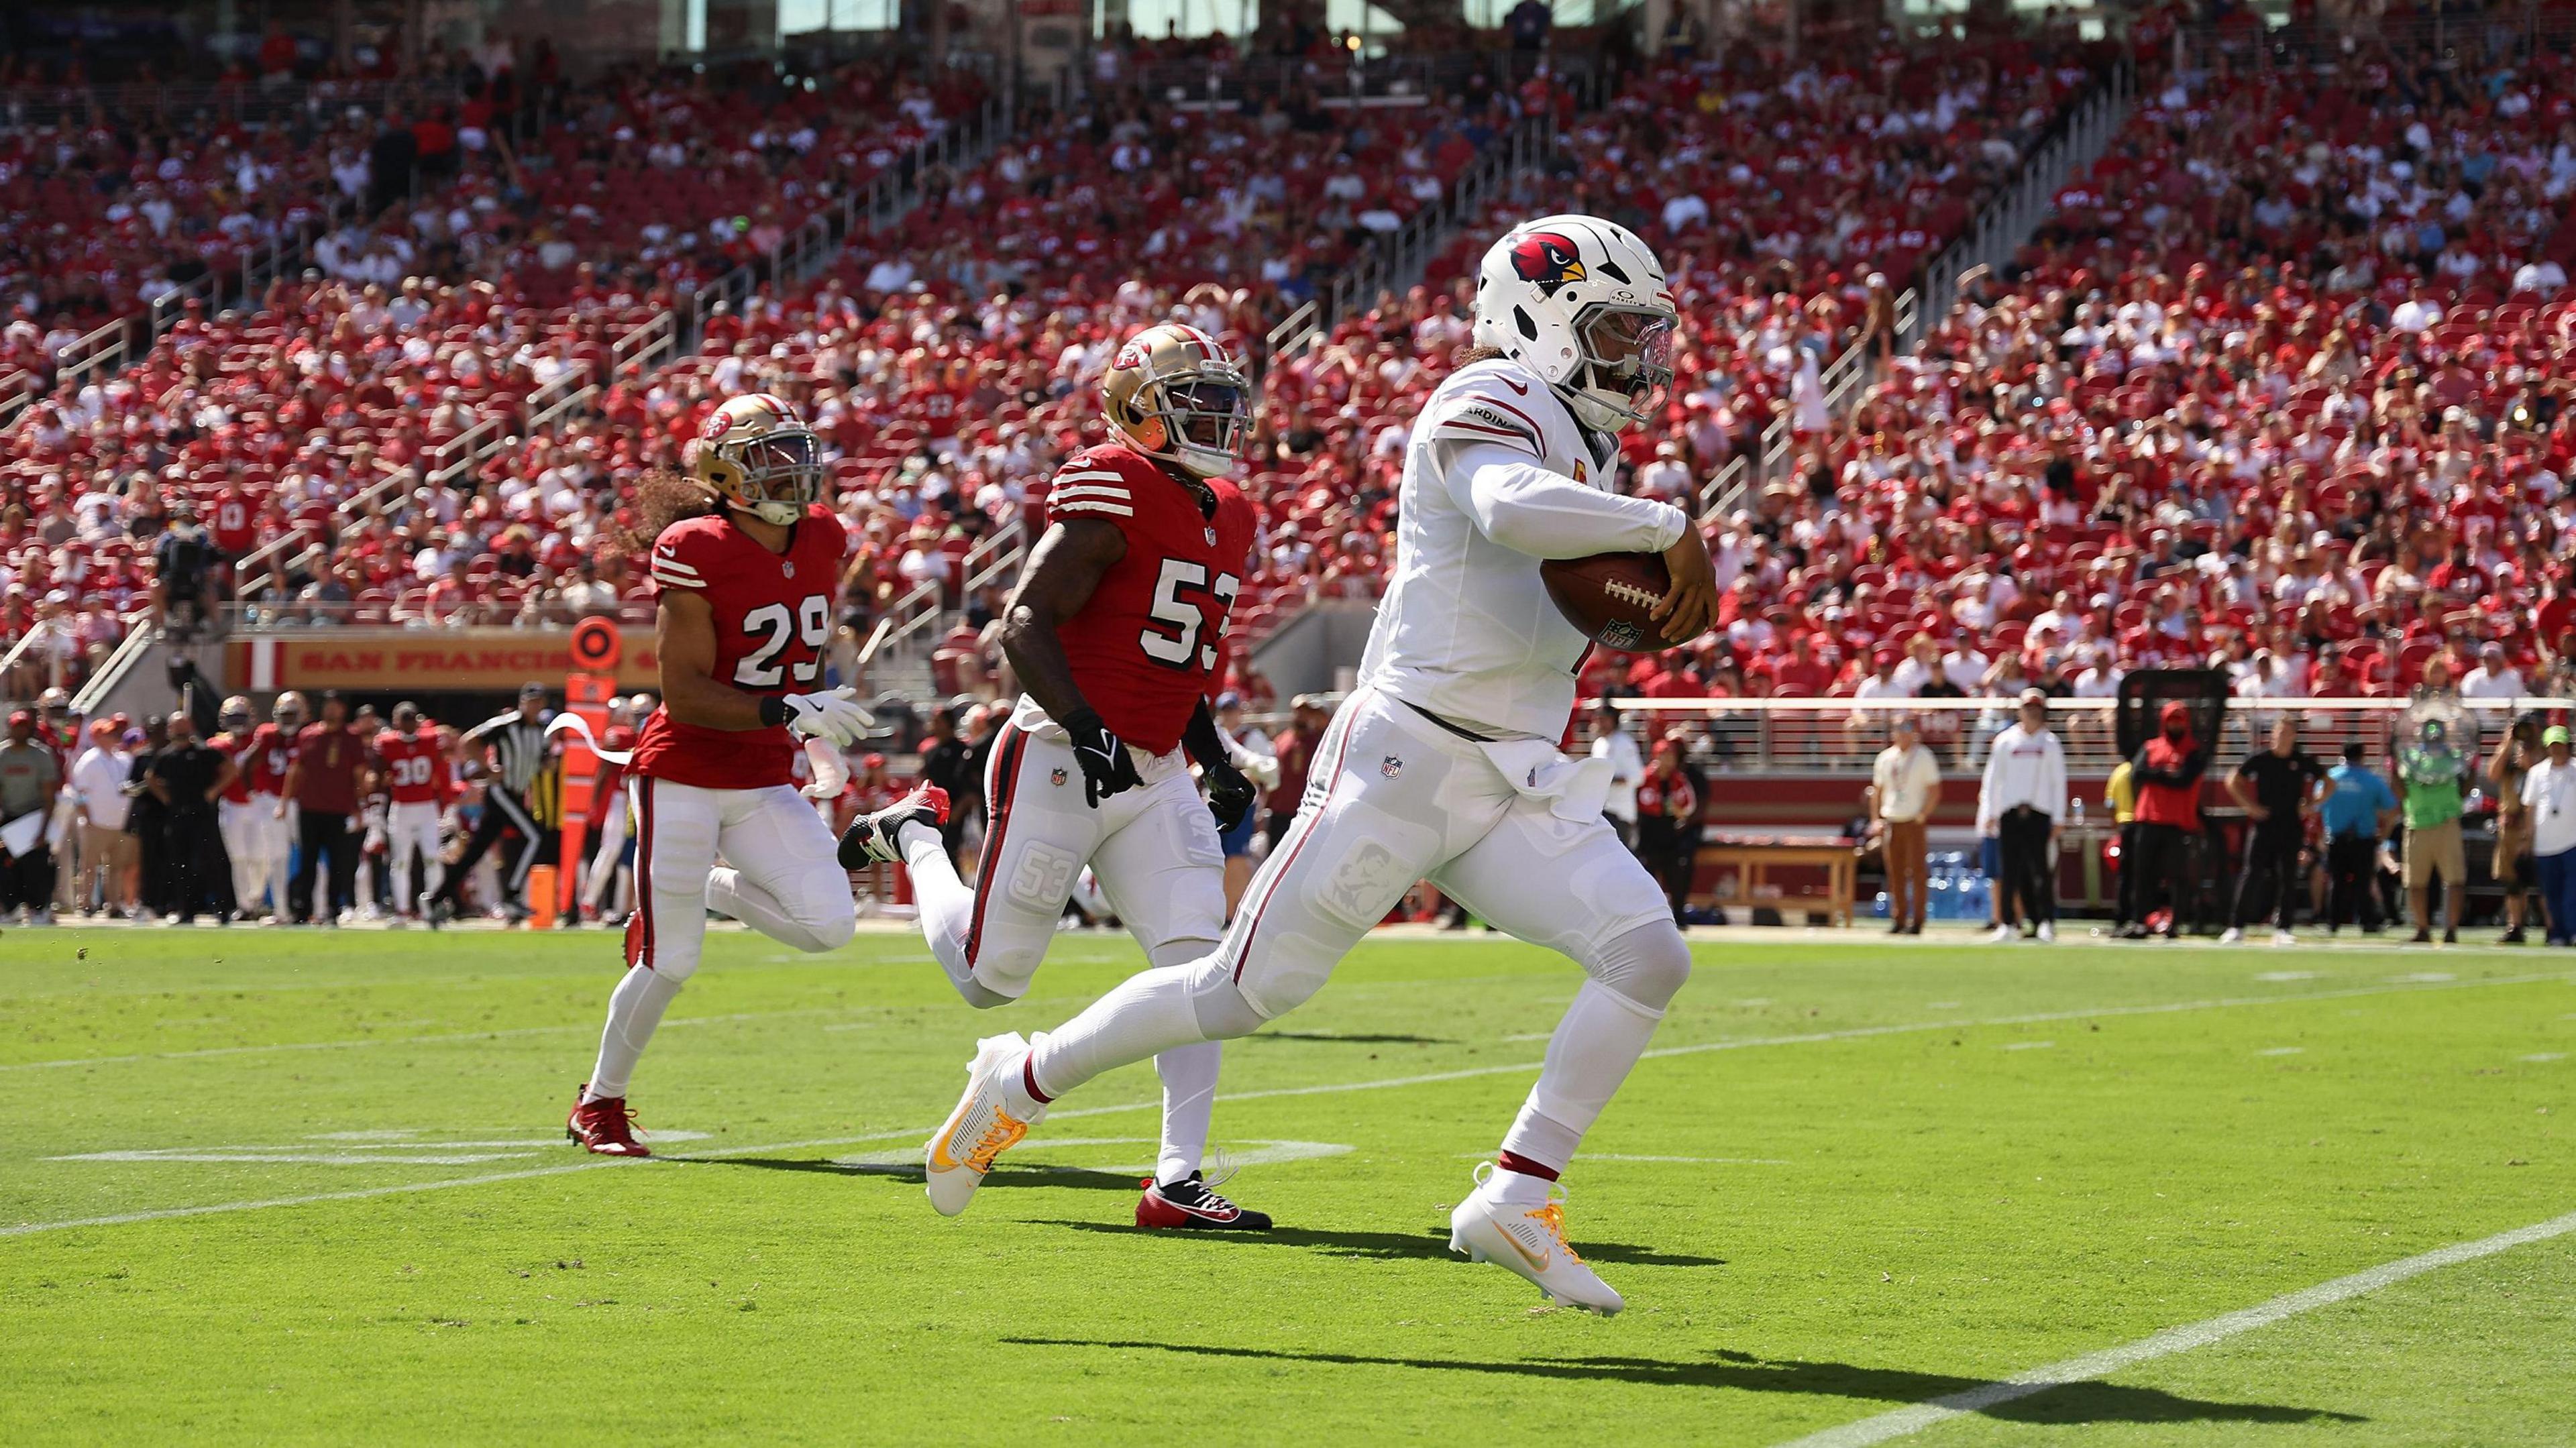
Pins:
x: 1379, y: 1245
x: 2073, y: 1403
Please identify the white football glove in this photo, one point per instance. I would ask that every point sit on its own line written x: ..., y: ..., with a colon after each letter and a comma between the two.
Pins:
x: 831, y: 716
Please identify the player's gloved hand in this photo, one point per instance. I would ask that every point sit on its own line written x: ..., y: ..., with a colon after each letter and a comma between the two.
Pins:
x: 831, y: 716
x: 1107, y: 767
x: 1229, y: 794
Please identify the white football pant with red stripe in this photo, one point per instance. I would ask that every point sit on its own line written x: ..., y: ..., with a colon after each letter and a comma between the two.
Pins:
x: 1152, y: 850
x: 778, y: 877
x: 1511, y: 829
x: 411, y: 830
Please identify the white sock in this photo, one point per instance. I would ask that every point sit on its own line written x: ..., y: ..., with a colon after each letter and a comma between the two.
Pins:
x: 1594, y: 1047
x: 947, y: 902
x: 634, y: 1010
x: 1144, y: 1015
x: 1189, y: 1101
x: 1518, y: 1189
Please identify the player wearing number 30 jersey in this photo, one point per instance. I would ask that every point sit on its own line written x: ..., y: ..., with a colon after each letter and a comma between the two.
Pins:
x: 1116, y: 630
x: 744, y: 581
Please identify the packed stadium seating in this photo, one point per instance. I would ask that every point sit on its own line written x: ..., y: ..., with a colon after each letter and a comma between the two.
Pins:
x: 2282, y: 378
x: 2184, y: 420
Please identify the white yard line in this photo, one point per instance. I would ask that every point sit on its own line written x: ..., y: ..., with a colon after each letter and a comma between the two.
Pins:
x: 441, y: 1038
x: 1329, y: 1088
x: 1903, y: 1421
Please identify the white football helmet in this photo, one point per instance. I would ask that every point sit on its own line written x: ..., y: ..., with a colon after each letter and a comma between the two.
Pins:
x: 1583, y: 303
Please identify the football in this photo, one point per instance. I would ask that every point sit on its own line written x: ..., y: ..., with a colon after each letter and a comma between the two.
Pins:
x: 1609, y: 596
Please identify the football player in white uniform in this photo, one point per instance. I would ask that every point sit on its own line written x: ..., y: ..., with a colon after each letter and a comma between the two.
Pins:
x: 1443, y: 762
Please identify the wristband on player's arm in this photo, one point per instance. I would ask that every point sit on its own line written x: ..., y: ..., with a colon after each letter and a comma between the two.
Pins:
x: 773, y: 711
x: 1206, y: 747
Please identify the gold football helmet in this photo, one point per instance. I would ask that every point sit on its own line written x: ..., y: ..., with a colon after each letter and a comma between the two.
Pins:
x: 1176, y: 396
x: 757, y: 455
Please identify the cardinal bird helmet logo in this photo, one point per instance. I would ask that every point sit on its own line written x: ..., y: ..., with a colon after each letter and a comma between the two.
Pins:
x: 1547, y: 261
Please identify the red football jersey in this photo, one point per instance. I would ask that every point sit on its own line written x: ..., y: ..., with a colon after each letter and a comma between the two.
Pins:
x: 265, y: 762
x: 773, y: 617
x: 412, y: 766
x: 233, y: 745
x: 1152, y: 637
x: 232, y: 524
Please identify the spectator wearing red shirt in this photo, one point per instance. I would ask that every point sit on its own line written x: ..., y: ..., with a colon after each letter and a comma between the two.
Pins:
x: 1801, y: 675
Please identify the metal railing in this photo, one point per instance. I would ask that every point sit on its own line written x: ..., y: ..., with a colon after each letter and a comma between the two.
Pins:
x: 901, y: 644
x: 137, y: 644
x: 1843, y: 736
x: 2458, y: 35
x: 1991, y: 237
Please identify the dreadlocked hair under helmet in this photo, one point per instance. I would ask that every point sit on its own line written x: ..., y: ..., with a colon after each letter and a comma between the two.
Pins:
x: 662, y: 498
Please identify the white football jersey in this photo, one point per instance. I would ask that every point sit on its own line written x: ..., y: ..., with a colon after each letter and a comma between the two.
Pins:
x: 1498, y: 476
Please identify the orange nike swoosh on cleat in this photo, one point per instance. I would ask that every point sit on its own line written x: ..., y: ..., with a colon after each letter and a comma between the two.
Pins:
x: 1538, y: 1263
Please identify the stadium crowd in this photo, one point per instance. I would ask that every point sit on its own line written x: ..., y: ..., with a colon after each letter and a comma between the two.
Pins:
x: 2280, y: 381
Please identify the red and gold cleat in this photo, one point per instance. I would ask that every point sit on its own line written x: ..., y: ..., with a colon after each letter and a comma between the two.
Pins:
x: 605, y: 1126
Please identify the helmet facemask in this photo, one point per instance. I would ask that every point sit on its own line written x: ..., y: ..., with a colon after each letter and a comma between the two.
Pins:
x: 1625, y: 374
x: 1207, y: 420
x: 780, y: 474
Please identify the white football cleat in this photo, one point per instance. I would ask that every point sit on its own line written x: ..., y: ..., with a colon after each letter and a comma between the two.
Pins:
x: 982, y: 1127
x: 2047, y: 931
x: 2002, y: 935
x: 2233, y: 936
x: 2284, y: 937
x: 1530, y: 1241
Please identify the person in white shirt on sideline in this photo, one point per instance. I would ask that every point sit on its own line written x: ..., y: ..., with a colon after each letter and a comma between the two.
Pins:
x: 1904, y: 787
x: 106, y: 850
x: 1442, y: 764
x: 2549, y: 802
x: 1627, y: 766
x: 2025, y: 787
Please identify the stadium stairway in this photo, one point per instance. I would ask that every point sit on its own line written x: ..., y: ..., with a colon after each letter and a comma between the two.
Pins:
x: 1999, y: 229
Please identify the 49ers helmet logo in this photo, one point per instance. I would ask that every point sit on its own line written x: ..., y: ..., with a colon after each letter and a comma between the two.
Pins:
x: 1547, y: 261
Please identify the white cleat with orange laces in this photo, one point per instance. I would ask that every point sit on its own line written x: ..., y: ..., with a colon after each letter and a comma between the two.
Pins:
x: 1530, y: 1240
x: 983, y: 1126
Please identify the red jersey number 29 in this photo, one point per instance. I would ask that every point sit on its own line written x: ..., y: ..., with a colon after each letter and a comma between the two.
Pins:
x: 812, y: 623
x: 1174, y: 607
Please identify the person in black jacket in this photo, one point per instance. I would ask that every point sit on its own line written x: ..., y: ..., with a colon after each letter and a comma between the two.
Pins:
x: 187, y: 777
x: 148, y: 822
x: 950, y: 763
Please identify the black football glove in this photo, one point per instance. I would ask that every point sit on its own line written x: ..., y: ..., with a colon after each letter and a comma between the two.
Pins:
x: 1106, y: 765
x: 1230, y: 795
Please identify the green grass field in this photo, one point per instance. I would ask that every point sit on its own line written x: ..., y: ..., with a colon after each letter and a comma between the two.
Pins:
x: 271, y: 1187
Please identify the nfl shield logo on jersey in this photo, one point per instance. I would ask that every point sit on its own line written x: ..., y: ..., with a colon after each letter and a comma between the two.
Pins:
x: 1211, y: 537
x: 1390, y: 766
x: 1055, y: 776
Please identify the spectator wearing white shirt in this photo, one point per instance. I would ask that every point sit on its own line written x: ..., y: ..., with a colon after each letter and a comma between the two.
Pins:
x: 98, y: 782
x: 2549, y: 802
x: 2415, y: 314
x: 1966, y: 668
x: 2493, y: 678
x: 2023, y: 790
x: 1627, y: 766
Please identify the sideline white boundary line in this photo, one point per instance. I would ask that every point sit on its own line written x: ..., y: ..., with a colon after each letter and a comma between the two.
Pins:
x: 1904, y: 1421
x: 1330, y: 1088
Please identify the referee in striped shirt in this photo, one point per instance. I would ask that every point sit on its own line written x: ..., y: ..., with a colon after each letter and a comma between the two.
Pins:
x: 519, y: 774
